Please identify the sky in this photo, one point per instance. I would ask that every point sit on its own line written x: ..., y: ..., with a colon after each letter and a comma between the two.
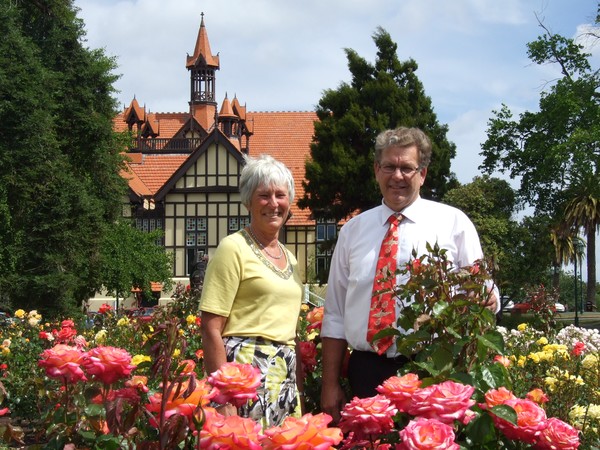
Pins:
x: 280, y: 55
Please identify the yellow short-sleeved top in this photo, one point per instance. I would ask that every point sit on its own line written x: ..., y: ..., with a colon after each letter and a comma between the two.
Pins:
x: 258, y: 299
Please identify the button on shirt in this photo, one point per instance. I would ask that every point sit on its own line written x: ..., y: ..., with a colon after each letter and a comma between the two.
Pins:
x: 355, y: 256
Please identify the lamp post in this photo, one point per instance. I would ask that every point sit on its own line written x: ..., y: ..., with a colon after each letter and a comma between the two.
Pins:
x: 576, y: 297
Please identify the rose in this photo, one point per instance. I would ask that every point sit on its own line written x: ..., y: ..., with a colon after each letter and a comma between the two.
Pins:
x: 368, y: 416
x: 498, y: 396
x: 315, y: 318
x: 400, y: 390
x: 182, y: 398
x: 502, y: 360
x: 531, y: 419
x: 308, y: 353
x: 187, y: 366
x: 427, y: 434
x: 104, y: 308
x: 232, y: 432
x: 578, y: 349
x: 447, y: 401
x: 306, y: 432
x: 66, y: 334
x: 558, y: 435
x: 236, y: 383
x: 537, y: 395
x: 63, y: 361
x: 108, y: 364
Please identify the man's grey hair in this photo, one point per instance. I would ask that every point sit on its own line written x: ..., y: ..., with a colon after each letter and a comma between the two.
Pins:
x: 404, y: 137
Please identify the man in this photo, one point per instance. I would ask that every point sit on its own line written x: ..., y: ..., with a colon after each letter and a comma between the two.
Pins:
x: 401, y: 159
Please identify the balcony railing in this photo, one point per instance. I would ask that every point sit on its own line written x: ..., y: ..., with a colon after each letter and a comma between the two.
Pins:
x: 164, y: 145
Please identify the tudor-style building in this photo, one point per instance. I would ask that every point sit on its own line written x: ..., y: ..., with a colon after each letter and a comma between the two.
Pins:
x: 183, y: 169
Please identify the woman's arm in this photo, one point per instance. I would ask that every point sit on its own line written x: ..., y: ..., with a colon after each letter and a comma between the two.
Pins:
x: 214, y: 350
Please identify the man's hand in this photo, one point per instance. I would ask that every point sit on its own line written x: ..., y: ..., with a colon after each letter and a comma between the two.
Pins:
x: 333, y: 401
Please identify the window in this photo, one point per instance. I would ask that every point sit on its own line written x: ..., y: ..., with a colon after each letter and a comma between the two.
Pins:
x: 326, y: 232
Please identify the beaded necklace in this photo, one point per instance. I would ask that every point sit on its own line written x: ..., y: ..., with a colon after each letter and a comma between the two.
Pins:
x: 262, y: 247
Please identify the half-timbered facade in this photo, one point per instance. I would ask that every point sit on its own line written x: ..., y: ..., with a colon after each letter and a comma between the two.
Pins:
x: 183, y: 169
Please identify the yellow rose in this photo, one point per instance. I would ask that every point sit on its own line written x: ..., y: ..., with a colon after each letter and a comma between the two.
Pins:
x: 19, y: 313
x: 542, y: 341
x: 123, y: 321
x: 5, y: 351
x: 138, y: 359
x: 100, y: 336
x: 191, y: 319
x: 176, y: 353
x: 522, y: 327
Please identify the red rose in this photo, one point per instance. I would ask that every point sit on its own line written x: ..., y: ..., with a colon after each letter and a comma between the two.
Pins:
x: 308, y: 353
x: 578, y: 349
x: 104, y: 308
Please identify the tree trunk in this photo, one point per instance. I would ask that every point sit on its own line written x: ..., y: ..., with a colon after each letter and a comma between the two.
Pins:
x: 591, y: 268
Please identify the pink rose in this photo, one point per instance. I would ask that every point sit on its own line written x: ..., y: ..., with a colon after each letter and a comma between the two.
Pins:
x: 63, y: 361
x: 557, y: 435
x: 502, y: 360
x: 400, y: 390
x: 306, y: 432
x: 531, y: 420
x: 232, y: 432
x: 108, y: 364
x: 368, y: 416
x: 447, y: 401
x: 427, y: 434
x: 236, y: 383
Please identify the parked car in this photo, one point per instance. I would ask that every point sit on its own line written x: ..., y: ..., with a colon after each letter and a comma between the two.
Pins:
x: 143, y: 314
x: 526, y: 306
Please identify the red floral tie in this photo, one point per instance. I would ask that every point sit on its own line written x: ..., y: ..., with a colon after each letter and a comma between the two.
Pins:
x: 383, y: 311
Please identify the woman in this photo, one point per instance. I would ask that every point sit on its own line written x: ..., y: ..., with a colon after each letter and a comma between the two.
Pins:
x: 252, y: 296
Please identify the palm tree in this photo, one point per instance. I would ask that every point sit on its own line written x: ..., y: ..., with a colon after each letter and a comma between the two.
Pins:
x: 582, y: 212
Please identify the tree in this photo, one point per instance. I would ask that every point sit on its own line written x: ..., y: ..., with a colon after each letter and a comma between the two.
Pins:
x: 339, y: 176
x: 131, y: 258
x: 556, y: 151
x: 59, y: 158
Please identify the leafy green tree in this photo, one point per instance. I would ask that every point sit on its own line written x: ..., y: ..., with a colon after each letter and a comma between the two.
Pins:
x: 555, y: 151
x: 387, y: 94
x: 59, y: 158
x: 131, y: 258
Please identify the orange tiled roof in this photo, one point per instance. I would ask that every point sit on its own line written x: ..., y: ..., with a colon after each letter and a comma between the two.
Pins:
x: 287, y: 137
x: 202, y: 49
x: 155, y: 170
x: 284, y: 135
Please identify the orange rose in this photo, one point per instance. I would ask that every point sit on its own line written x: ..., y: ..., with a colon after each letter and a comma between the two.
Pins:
x: 537, y: 395
x: 498, y: 396
x: 236, y: 383
x: 400, y: 390
x: 183, y: 398
x: 502, y: 360
x: 558, y: 435
x: 305, y: 432
x: 368, y: 416
x: 232, y: 432
x: 315, y: 318
x: 531, y: 420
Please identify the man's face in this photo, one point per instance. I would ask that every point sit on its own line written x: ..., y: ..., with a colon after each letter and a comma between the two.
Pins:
x: 399, y: 176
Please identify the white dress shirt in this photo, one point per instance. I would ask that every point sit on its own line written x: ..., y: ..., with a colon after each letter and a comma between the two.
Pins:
x: 352, y: 271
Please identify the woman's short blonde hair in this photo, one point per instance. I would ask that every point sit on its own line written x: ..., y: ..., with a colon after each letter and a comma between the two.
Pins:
x: 264, y: 170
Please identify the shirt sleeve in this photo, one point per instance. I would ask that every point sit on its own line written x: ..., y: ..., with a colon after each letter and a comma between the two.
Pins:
x: 222, y: 279
x: 337, y: 286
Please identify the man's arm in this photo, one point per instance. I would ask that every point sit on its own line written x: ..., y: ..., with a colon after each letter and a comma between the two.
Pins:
x: 332, y: 394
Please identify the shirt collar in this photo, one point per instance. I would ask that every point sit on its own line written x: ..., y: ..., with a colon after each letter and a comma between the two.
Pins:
x: 411, y: 212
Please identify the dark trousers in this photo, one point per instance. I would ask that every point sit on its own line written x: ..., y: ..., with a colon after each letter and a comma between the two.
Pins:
x: 367, y: 370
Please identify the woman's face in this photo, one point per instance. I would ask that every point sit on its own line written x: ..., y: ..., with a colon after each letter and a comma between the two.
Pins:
x: 269, y: 206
